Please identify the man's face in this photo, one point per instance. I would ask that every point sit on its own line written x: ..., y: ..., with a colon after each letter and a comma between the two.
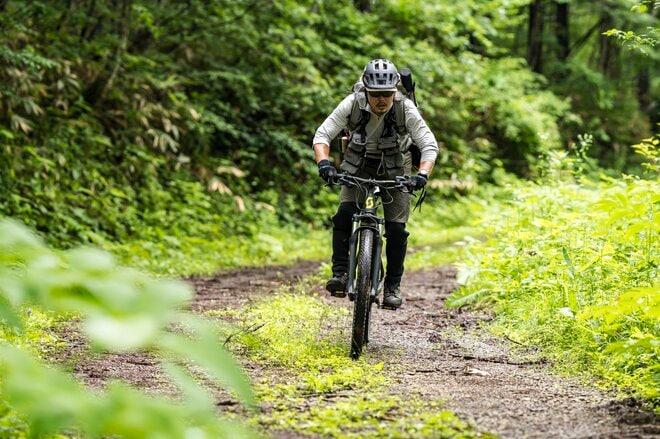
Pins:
x: 380, y: 101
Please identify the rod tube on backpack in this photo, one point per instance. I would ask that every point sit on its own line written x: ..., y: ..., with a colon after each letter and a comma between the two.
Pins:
x: 406, y: 79
x: 408, y: 83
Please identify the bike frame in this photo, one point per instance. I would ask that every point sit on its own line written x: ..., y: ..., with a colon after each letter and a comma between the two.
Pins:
x: 366, y: 222
x: 367, y: 218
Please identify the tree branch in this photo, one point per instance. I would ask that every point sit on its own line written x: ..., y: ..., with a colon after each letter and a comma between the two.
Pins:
x: 253, y: 328
x: 584, y: 38
x: 502, y: 360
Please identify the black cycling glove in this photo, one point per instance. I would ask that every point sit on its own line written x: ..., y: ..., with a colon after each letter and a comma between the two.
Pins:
x: 327, y: 171
x: 418, y: 181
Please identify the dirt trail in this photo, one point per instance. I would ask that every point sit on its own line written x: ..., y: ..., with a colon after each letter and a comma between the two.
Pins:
x: 483, y: 381
x: 489, y: 382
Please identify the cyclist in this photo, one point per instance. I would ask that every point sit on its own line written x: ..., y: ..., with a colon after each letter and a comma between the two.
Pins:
x: 383, y: 125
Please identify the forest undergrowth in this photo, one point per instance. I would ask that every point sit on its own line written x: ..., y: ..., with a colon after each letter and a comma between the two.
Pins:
x: 573, y: 269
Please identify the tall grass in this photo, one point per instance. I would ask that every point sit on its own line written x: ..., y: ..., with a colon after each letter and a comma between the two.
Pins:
x: 573, y: 268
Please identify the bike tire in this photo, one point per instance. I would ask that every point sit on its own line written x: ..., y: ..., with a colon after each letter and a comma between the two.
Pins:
x: 378, y: 289
x: 362, y: 302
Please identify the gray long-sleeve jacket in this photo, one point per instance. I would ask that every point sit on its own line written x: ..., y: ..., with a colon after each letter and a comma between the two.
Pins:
x: 415, y: 125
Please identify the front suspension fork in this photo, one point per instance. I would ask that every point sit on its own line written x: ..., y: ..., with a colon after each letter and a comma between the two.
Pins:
x: 375, y: 255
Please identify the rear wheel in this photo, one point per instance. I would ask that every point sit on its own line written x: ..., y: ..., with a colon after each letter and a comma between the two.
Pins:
x: 362, y: 303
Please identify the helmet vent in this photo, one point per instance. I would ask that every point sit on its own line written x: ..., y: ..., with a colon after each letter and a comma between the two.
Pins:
x: 380, y: 74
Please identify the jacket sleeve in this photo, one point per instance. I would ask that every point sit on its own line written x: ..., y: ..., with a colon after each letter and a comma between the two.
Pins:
x: 420, y: 133
x: 334, y: 123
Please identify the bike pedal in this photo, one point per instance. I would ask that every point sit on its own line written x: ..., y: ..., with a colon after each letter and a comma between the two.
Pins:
x: 391, y: 308
x: 339, y: 294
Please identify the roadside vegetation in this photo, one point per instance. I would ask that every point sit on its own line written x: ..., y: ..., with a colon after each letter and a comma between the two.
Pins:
x: 573, y: 268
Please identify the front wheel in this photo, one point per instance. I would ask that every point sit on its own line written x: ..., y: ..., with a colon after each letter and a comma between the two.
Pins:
x: 362, y: 303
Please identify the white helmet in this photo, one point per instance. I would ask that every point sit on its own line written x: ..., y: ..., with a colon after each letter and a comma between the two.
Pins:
x: 380, y: 75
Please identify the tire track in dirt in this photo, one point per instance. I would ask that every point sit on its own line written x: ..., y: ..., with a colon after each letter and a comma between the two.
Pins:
x: 433, y: 353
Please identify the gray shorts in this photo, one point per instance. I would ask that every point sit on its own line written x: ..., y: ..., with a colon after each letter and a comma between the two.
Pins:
x: 396, y: 204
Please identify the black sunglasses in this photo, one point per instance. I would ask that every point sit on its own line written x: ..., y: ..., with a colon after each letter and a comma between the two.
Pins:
x: 381, y: 94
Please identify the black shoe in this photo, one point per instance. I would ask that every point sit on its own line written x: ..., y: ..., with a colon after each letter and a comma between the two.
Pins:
x: 337, y: 285
x: 392, y: 298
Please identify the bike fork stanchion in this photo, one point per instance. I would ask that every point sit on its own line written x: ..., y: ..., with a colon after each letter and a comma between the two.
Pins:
x: 377, y: 246
x: 376, y: 261
x: 352, y: 260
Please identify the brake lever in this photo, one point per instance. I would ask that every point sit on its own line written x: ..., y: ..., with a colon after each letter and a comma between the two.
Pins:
x: 405, y: 183
x: 344, y: 181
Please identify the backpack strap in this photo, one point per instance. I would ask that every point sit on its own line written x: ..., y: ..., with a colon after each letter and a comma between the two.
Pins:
x: 400, y: 113
x: 355, y: 117
x: 358, y: 119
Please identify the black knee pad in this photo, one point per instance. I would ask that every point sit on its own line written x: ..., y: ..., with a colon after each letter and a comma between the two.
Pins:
x: 344, y: 216
x: 396, y: 231
x: 395, y: 250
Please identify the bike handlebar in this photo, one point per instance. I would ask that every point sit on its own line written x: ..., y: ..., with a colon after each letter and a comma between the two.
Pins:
x: 400, y: 182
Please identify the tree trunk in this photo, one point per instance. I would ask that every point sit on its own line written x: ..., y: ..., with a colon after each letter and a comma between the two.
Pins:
x: 646, y: 102
x: 562, y: 31
x: 3, y: 5
x: 64, y: 18
x: 644, y: 90
x: 535, y: 36
x: 608, y: 48
x: 363, y: 5
x: 89, y: 17
x: 95, y: 92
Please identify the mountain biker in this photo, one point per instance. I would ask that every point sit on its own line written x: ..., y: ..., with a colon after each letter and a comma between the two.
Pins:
x: 378, y: 148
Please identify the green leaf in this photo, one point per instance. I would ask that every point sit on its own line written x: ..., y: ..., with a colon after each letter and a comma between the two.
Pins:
x: 203, y: 347
x: 16, y: 239
x: 122, y: 333
x: 569, y: 262
x: 197, y: 396
x: 457, y: 302
x: 91, y: 260
x: 7, y: 134
x: 169, y: 294
x: 8, y: 314
x: 48, y: 398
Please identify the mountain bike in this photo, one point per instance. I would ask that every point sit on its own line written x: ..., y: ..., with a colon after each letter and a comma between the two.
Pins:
x: 365, y: 268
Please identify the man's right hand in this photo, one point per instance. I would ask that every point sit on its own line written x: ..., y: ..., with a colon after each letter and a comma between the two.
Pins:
x: 327, y: 171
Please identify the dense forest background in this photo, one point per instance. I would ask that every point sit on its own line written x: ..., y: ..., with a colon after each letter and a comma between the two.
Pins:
x: 153, y: 118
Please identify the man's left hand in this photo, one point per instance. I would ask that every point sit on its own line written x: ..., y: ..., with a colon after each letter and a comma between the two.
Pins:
x: 418, y: 181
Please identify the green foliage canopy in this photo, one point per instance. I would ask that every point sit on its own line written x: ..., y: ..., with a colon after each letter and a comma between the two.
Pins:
x: 115, y: 118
